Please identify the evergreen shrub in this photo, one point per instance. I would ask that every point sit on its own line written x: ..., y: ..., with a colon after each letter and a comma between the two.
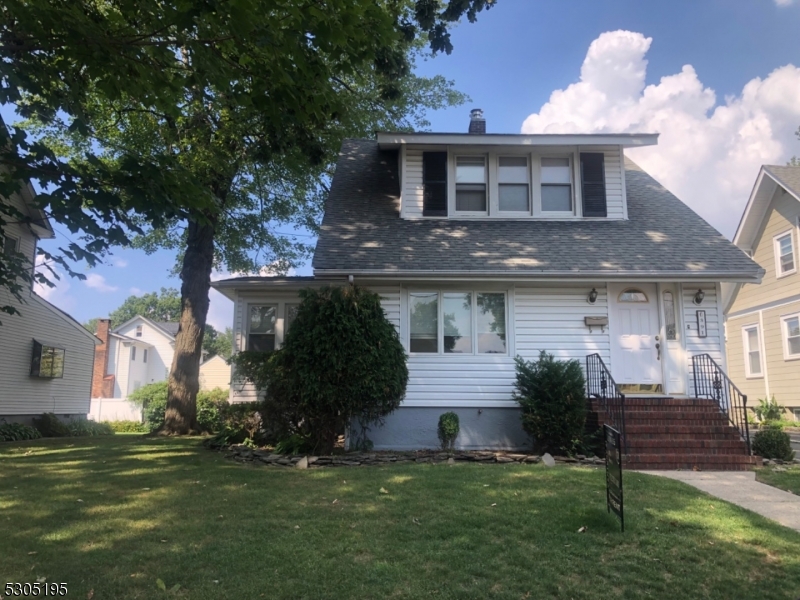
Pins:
x: 552, y: 395
x: 342, y: 360
x: 772, y: 442
x: 448, y: 430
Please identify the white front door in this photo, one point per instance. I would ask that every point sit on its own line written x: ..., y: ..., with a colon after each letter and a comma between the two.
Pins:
x: 634, y: 331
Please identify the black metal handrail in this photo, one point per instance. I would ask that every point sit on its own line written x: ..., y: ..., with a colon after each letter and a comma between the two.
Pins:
x: 601, y: 385
x: 710, y: 381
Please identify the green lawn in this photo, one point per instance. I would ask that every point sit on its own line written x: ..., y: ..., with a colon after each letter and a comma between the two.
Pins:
x: 115, y: 515
x: 786, y: 480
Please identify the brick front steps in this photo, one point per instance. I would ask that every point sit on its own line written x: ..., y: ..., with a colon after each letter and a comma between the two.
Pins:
x: 680, y: 433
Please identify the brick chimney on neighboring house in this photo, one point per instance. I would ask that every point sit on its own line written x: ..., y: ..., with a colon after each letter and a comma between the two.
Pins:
x: 102, y: 383
x: 477, y: 124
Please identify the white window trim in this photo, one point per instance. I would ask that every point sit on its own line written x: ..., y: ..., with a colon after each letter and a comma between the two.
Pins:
x: 440, y: 323
x: 776, y: 248
x: 534, y: 184
x: 16, y: 240
x: 785, y: 336
x: 246, y: 317
x: 746, y: 351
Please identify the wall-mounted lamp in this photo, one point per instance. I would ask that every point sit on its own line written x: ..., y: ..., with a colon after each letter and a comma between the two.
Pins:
x: 592, y: 298
x: 698, y: 297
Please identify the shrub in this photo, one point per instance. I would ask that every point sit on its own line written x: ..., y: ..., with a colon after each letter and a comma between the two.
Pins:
x: 768, y: 410
x: 84, y: 427
x: 211, y: 408
x: 552, y: 395
x: 127, y: 426
x: 15, y: 432
x: 50, y: 425
x: 153, y: 400
x: 448, y: 430
x: 341, y: 360
x: 771, y: 442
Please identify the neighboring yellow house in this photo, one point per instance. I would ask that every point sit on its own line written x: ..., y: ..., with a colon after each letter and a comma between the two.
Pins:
x: 763, y: 321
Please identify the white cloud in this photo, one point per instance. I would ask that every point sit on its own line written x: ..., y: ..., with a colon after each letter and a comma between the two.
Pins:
x: 784, y: 2
x: 120, y: 263
x: 136, y: 291
x: 220, y: 311
x: 98, y: 282
x: 708, y: 153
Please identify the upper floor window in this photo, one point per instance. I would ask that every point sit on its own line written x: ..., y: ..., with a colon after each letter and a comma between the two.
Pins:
x: 556, y: 185
x: 261, y: 328
x: 457, y: 322
x: 471, y: 183
x: 9, y: 245
x: 517, y: 185
x: 513, y: 181
x: 791, y: 336
x: 138, y: 331
x: 784, y: 254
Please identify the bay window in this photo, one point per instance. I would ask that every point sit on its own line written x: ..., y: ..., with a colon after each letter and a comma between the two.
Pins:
x: 457, y: 322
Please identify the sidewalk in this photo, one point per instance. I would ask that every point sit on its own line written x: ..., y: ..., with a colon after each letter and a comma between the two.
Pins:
x: 742, y: 489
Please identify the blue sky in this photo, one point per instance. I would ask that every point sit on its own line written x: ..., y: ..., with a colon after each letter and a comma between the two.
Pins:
x: 586, y: 65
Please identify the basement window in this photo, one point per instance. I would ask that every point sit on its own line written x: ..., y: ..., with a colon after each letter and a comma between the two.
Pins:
x: 47, y: 361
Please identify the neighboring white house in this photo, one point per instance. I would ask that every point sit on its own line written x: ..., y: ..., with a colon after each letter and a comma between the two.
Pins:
x: 135, y: 354
x: 484, y: 247
x: 45, y: 355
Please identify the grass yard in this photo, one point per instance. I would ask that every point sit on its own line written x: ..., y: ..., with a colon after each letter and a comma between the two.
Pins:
x: 111, y: 516
x: 788, y: 480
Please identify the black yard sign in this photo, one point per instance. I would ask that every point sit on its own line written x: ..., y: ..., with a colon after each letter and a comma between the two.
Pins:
x: 614, y: 473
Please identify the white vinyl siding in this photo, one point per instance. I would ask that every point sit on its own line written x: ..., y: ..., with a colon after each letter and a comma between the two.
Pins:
x: 712, y: 343
x: 21, y: 394
x: 412, y: 186
x: 551, y: 318
x: 161, y: 350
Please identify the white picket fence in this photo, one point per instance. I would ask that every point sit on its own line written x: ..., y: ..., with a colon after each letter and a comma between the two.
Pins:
x: 114, y: 409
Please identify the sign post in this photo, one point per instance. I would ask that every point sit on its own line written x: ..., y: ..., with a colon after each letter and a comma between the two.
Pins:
x: 614, y: 473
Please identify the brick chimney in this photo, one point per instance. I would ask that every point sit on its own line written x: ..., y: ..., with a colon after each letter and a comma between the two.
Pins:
x: 477, y: 124
x: 102, y: 383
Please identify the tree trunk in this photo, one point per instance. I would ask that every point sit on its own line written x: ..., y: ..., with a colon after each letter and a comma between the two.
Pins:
x: 181, y: 414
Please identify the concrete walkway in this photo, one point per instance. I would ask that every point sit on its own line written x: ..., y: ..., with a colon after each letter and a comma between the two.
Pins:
x: 741, y: 488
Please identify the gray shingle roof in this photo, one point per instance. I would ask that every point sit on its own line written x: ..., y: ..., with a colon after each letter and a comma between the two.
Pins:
x: 362, y: 231
x: 788, y: 177
x: 170, y: 328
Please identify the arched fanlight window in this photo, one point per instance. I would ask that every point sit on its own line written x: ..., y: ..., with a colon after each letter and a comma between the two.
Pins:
x: 633, y: 295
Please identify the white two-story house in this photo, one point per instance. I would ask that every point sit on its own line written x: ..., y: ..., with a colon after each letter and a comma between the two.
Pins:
x: 489, y: 246
x: 45, y: 355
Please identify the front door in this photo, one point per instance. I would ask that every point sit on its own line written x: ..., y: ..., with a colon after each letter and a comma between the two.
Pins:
x: 635, y: 349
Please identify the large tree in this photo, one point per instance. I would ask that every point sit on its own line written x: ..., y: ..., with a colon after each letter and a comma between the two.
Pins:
x: 205, y: 125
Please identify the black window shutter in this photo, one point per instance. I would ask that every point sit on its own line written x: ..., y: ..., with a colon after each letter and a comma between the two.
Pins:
x: 593, y: 184
x: 434, y: 182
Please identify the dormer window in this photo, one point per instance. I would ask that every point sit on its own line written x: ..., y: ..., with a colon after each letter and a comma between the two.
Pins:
x: 513, y: 180
x: 557, y: 186
x: 471, y: 183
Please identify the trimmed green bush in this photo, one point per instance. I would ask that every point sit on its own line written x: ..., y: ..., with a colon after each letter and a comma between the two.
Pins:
x: 16, y: 432
x: 153, y: 400
x: 212, y: 406
x: 771, y: 442
x: 50, y: 425
x: 128, y: 426
x: 84, y: 427
x: 342, y: 360
x: 448, y: 430
x: 552, y: 395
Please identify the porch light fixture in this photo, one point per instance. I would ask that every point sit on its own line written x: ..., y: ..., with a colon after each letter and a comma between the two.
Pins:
x: 592, y: 298
x: 698, y: 297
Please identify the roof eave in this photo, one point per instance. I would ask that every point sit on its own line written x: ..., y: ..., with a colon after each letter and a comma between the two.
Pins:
x: 391, y: 140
